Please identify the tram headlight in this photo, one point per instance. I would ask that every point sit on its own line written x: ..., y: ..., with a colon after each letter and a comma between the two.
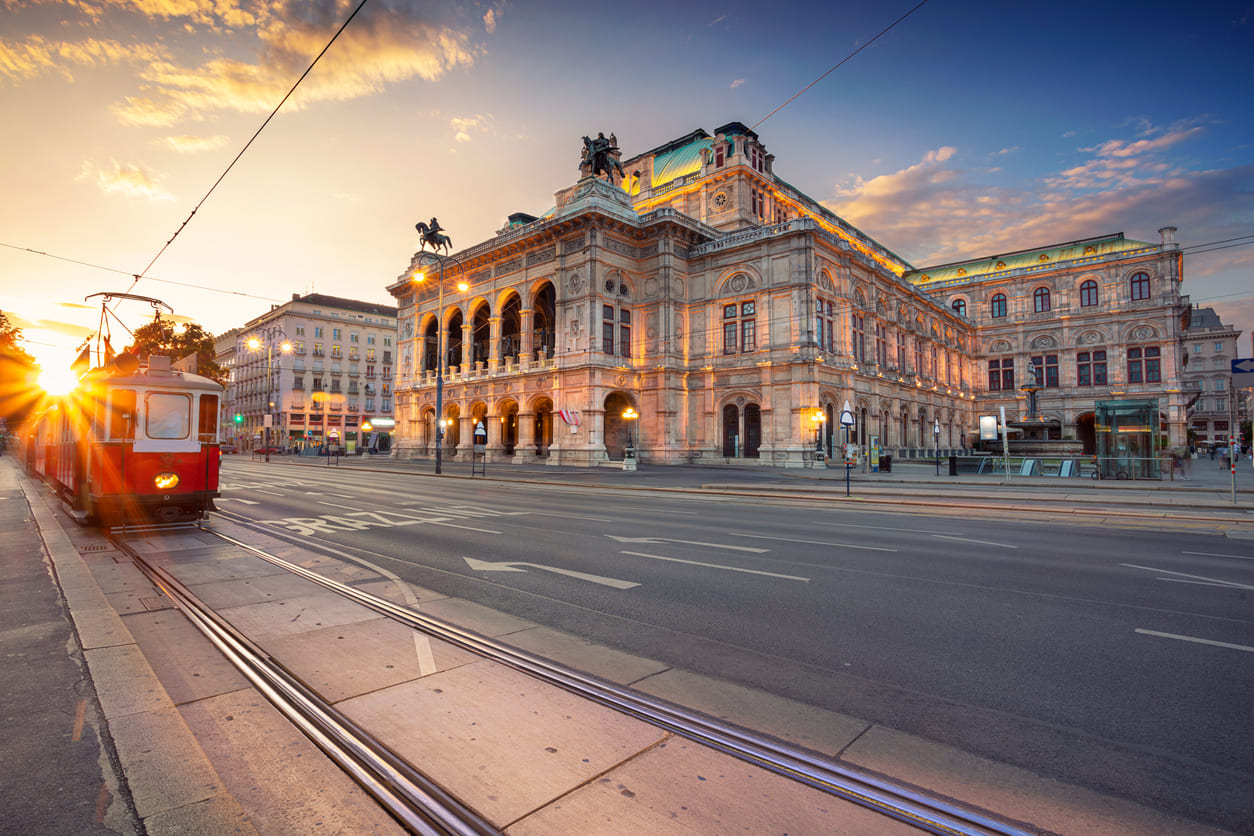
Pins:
x: 166, y: 481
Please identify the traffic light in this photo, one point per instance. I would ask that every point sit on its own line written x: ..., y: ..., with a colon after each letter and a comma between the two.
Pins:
x: 239, y: 419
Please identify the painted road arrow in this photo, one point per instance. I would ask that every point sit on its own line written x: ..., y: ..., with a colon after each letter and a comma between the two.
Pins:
x: 513, y: 566
x: 656, y: 540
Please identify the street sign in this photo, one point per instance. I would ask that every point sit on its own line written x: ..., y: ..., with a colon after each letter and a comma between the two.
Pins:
x: 1243, y: 373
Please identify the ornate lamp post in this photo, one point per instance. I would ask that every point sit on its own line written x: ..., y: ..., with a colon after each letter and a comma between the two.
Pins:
x: 818, y: 418
x: 268, y: 335
x: 419, y: 278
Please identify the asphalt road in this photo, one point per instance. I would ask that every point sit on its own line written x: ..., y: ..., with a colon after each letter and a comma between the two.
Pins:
x: 1121, y: 659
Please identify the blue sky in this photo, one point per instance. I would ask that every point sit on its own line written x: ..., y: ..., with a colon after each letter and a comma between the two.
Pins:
x: 970, y: 128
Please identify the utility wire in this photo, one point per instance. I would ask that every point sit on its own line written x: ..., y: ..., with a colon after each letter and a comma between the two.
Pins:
x: 128, y: 273
x: 182, y: 226
x: 846, y: 59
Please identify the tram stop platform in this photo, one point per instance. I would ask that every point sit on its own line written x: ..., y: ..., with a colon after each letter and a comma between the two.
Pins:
x: 126, y: 720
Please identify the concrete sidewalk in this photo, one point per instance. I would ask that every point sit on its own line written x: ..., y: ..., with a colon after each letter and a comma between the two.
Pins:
x: 203, y: 753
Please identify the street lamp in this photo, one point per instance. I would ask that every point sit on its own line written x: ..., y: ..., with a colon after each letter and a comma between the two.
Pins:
x: 936, y: 438
x: 630, y: 415
x: 846, y: 421
x: 268, y: 335
x: 818, y: 418
x: 419, y: 278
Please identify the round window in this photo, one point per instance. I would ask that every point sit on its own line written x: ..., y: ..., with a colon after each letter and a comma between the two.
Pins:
x: 720, y: 200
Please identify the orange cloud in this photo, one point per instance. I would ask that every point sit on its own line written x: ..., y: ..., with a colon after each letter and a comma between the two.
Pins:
x: 37, y: 55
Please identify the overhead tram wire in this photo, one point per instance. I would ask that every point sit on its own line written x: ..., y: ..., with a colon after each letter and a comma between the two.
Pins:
x: 129, y: 273
x: 247, y: 145
x: 845, y: 60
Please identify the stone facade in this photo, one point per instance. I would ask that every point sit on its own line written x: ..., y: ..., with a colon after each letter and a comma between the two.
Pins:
x: 736, y: 317
x: 335, y: 380
x: 1210, y: 347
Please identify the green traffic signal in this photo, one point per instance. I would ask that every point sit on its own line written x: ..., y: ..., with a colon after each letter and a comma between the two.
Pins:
x: 239, y: 419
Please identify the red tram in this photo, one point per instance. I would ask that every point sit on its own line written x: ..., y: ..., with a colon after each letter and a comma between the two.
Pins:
x: 134, y: 443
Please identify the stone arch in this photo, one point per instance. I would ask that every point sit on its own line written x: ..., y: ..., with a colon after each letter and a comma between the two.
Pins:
x: 1140, y: 332
x: 510, y: 306
x: 541, y: 408
x: 480, y: 331
x: 544, y: 317
x: 619, y: 430
x: 507, y: 418
x: 1092, y: 336
x: 737, y: 281
x: 824, y: 281
x: 1043, y: 341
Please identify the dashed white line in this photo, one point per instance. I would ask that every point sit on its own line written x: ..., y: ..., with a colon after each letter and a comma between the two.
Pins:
x: 815, y: 542
x: 717, y: 566
x: 968, y: 540
x: 1214, y: 554
x: 1195, y: 640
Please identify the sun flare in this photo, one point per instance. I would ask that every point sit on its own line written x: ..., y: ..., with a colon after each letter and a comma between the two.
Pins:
x: 57, y: 381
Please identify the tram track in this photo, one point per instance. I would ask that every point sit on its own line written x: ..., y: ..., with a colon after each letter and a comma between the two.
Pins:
x: 420, y: 805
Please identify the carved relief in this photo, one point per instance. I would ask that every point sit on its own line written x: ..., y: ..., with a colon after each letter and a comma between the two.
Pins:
x: 1044, y: 341
x: 1144, y: 333
x: 575, y: 283
x: 650, y: 288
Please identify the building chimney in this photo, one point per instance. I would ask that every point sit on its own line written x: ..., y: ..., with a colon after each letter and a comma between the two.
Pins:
x: 1169, y: 237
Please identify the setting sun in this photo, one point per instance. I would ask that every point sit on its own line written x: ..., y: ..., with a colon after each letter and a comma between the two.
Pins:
x: 57, y: 381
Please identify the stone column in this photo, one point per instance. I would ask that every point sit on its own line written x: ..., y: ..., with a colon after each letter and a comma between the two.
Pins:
x: 526, y: 435
x: 525, y: 322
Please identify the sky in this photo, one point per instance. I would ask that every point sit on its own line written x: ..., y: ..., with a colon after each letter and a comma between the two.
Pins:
x: 968, y: 129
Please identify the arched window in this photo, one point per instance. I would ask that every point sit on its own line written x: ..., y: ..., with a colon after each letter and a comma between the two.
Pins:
x: 1088, y: 294
x: 959, y: 306
x: 1139, y: 285
x: 1040, y: 299
x: 997, y: 307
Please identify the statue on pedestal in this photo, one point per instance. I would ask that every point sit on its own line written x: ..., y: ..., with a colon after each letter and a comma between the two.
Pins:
x: 601, y: 157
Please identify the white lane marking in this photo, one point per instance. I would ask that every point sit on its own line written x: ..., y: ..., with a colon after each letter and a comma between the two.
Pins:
x: 466, y: 527
x: 564, y: 516
x: 1213, y: 554
x: 512, y: 566
x: 1195, y: 640
x: 334, y: 505
x: 717, y: 566
x: 815, y: 542
x: 336, y: 495
x: 1197, y: 583
x: 656, y: 540
x: 237, y: 499
x: 878, y: 527
x: 271, y: 493
x: 968, y: 540
x: 1217, y: 581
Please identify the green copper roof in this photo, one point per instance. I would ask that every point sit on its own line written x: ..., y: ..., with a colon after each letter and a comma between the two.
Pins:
x: 994, y: 265
x: 671, y: 165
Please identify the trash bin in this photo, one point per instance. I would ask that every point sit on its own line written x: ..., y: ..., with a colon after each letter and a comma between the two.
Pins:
x: 886, y: 463
x: 953, y: 465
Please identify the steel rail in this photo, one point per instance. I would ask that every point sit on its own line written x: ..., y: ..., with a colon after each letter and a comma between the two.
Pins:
x: 414, y: 800
x: 921, y: 810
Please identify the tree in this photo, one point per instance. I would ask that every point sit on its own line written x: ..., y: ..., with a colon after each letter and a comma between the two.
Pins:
x: 18, y: 370
x: 160, y: 337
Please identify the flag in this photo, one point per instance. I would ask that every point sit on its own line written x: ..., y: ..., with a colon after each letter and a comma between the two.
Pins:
x: 570, y: 416
x: 83, y: 362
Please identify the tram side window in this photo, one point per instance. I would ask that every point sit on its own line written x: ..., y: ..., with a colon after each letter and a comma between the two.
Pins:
x: 167, y: 415
x: 122, y: 414
x: 208, y: 418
